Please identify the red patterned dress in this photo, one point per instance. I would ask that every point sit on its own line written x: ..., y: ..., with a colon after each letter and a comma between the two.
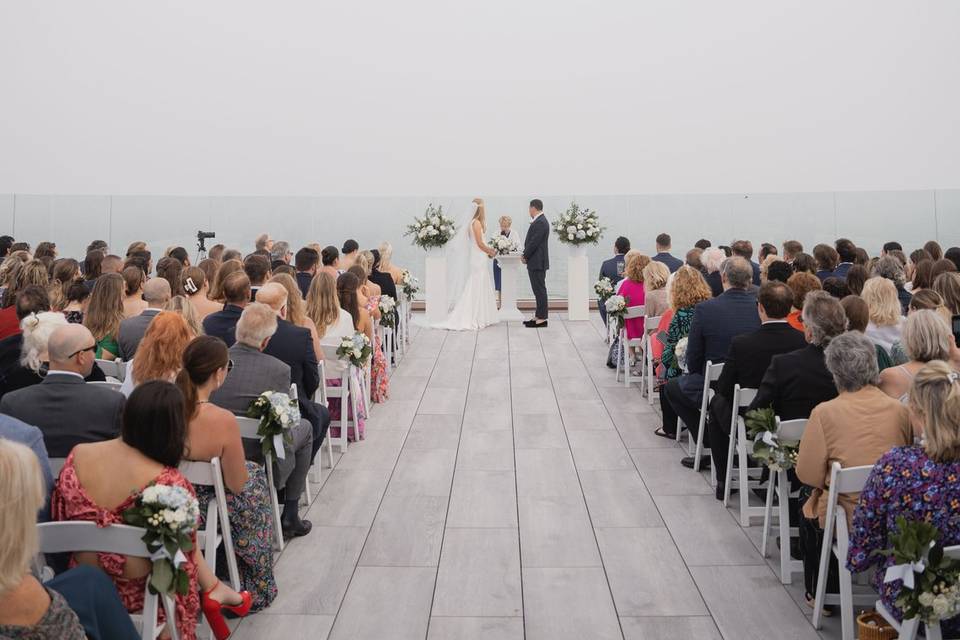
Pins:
x: 379, y: 381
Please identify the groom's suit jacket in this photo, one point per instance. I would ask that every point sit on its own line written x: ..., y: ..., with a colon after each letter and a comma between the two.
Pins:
x: 535, y: 245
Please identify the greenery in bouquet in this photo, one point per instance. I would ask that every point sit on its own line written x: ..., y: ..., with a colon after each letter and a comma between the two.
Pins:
x: 409, y: 284
x: 504, y: 245
x: 356, y: 349
x: 277, y: 413
x: 616, y: 307
x: 388, y: 317
x: 777, y: 454
x: 578, y: 226
x: 433, y: 229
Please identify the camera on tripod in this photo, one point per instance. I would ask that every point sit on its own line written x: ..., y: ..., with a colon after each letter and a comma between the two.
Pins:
x: 203, y: 235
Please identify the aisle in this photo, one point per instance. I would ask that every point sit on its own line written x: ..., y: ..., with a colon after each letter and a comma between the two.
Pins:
x: 521, y: 497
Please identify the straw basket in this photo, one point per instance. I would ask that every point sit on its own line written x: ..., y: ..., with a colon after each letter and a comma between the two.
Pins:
x: 872, y: 626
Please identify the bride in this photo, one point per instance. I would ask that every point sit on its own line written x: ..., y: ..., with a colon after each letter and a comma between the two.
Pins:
x: 472, y: 298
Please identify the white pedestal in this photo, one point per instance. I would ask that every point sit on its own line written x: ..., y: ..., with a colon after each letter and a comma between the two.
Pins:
x: 578, y: 267
x: 510, y: 267
x: 435, y: 286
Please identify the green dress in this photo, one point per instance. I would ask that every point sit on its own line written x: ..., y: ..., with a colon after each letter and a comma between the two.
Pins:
x: 108, y: 343
x: 679, y: 328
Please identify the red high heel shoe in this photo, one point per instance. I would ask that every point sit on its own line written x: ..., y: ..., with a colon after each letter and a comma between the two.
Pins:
x: 213, y: 611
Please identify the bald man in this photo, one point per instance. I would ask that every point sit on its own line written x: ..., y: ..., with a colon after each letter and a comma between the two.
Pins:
x: 156, y: 292
x: 67, y: 410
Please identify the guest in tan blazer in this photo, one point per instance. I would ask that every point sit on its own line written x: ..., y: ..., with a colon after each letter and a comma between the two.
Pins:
x: 854, y: 429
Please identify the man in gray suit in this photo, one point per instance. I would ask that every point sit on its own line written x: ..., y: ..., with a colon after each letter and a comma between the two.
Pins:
x: 67, y: 410
x: 157, y: 294
x: 253, y: 373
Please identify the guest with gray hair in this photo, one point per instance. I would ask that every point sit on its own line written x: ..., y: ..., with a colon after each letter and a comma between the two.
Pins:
x: 711, y: 259
x: 855, y: 429
x: 280, y: 254
x: 892, y: 269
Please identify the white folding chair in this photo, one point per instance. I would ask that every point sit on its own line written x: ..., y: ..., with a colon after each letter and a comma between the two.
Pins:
x: 792, y: 431
x: 908, y: 629
x: 739, y: 444
x: 108, y: 384
x: 217, y: 523
x: 624, y: 360
x: 116, y: 369
x: 649, y: 328
x: 321, y: 396
x: 248, y: 431
x: 347, y: 392
x: 711, y: 373
x: 77, y: 536
x: 836, y: 540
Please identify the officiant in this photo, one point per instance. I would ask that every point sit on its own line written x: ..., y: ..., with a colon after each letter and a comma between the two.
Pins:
x: 507, y: 232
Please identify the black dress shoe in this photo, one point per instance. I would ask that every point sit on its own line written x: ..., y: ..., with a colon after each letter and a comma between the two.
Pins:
x: 295, y: 528
x: 719, y: 491
x: 536, y: 325
x: 704, y: 462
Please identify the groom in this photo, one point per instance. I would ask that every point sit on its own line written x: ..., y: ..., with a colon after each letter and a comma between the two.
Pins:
x: 537, y: 258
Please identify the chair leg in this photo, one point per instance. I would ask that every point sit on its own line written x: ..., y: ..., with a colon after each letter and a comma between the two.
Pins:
x: 728, y: 480
x: 329, y: 453
x: 767, y: 517
x: 786, y: 562
x: 825, y: 551
x: 846, y: 602
x: 743, y: 479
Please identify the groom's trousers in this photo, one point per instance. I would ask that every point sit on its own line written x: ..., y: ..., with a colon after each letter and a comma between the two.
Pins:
x: 538, y: 282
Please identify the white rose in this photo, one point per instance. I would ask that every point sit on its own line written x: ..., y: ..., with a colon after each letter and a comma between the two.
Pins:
x: 434, y: 232
x: 581, y: 235
x: 941, y: 605
x: 570, y: 236
x: 579, y: 226
x: 926, y: 598
x: 571, y: 229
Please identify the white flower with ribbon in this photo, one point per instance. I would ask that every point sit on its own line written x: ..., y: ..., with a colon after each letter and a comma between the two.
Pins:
x: 278, y: 414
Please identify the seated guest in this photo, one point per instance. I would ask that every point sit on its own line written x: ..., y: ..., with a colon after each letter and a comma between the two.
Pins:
x: 209, y: 267
x: 791, y: 249
x: 804, y: 262
x: 223, y: 270
x: 66, y: 409
x: 22, y: 276
x: 180, y: 255
x: 94, y: 486
x: 212, y: 432
x: 613, y: 268
x: 348, y: 254
x: 92, y: 267
x: 929, y: 299
x: 348, y: 294
x: 836, y: 287
x: 194, y: 282
x: 934, y: 249
x: 65, y: 272
x: 856, y: 278
x: 655, y: 275
x: 133, y: 303
x: 236, y: 296
x: 663, y: 253
x: 330, y: 258
x: 767, y: 249
x: 156, y: 293
x: 800, y: 284
x: 333, y: 322
x: 104, y: 315
x: 182, y: 306
x: 858, y: 318
x: 386, y: 256
x: 363, y: 269
x: 257, y: 268
x: 17, y: 431
x: 746, y: 363
x: 744, y: 249
x: 922, y: 276
x: 75, y: 304
x: 32, y: 300
x: 827, y: 259
x: 9, y: 269
x: 111, y: 264
x: 687, y: 289
x: 159, y: 356
x: 886, y: 320
x: 890, y: 268
x: 380, y: 274
x: 854, y: 429
x: 711, y: 259
x: 779, y: 271
x: 925, y: 337
x: 170, y: 269
x: 715, y: 323
x: 297, y: 309
x: 306, y: 262
x: 917, y: 482
x: 693, y: 259
x: 280, y: 254
x: 32, y: 365
x: 68, y: 607
x: 953, y: 255
x: 847, y: 254
x: 142, y: 259
x: 253, y: 373
x: 948, y: 286
x: 940, y: 267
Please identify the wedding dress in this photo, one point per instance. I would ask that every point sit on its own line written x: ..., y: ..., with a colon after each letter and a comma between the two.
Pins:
x: 475, y: 306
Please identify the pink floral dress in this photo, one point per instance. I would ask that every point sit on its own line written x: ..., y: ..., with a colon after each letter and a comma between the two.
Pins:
x: 380, y: 382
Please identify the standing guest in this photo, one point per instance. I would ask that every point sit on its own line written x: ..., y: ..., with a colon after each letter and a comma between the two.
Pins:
x: 827, y: 259
x: 216, y: 252
x: 663, y: 253
x: 655, y: 276
x: 66, y: 409
x: 890, y: 268
x: 506, y: 231
x: 767, y: 249
x: 948, y: 286
x: 133, y: 281
x: 263, y: 244
x: 213, y: 432
x: 886, y: 320
x: 297, y: 309
x: 857, y: 276
x: 925, y: 337
x: 922, y: 277
x: 170, y: 269
x: 854, y: 429
x: 182, y: 306
x: 712, y: 259
x: 933, y: 248
x: 847, y: 254
x: 348, y: 254
x: 744, y: 249
x: 156, y: 293
x: 611, y: 268
x: 236, y: 296
x: 92, y: 267
x: 76, y: 302
x: 104, y: 315
x: 111, y: 264
x: 779, y: 271
x: 209, y: 267
x: 280, y: 254
x: 917, y: 482
x: 257, y: 268
x: 160, y: 351
x: 791, y: 249
x: 225, y: 269
x: 194, y: 283
x: 23, y: 275
x: 330, y: 258
x: 306, y: 262
x: 800, y: 284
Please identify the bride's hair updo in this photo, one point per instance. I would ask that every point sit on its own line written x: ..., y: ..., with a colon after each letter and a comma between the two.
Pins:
x: 481, y: 213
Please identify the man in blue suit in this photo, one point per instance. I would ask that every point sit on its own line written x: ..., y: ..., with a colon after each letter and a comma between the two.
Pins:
x: 223, y: 324
x: 744, y: 249
x: 613, y: 268
x: 716, y: 322
x: 663, y: 253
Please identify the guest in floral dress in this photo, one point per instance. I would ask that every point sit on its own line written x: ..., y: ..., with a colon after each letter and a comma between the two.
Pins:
x: 688, y: 289
x: 348, y: 286
x: 919, y: 482
x: 368, y: 297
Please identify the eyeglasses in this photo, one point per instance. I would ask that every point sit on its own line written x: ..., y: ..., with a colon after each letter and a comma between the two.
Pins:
x: 92, y: 347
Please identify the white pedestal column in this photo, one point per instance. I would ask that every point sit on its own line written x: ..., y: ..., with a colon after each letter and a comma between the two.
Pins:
x: 578, y: 267
x: 435, y: 286
x: 509, y: 272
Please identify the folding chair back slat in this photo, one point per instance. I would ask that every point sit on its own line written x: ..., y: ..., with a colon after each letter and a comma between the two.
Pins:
x: 711, y: 373
x: 248, y: 431
x: 210, y: 474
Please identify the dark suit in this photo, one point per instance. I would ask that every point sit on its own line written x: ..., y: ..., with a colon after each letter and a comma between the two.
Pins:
x: 537, y: 255
x: 841, y: 270
x: 613, y: 269
x: 715, y: 324
x: 673, y: 263
x: 795, y: 383
x: 131, y: 332
x: 756, y: 273
x: 67, y: 410
x: 745, y: 365
x: 223, y: 324
x: 715, y: 282
x: 304, y: 280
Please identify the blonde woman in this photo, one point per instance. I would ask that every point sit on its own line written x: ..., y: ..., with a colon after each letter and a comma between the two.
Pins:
x: 365, y: 261
x: 506, y: 230
x: 925, y: 337
x: 886, y: 322
x: 183, y: 306
x: 655, y: 276
x: 386, y: 262
x: 297, y: 309
x: 105, y: 313
x: 332, y: 321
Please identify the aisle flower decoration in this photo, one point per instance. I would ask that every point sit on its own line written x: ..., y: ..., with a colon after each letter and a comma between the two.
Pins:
x: 578, y: 226
x: 169, y: 514
x: 278, y: 413
x: 503, y: 245
x: 777, y: 454
x: 603, y: 288
x: 356, y: 349
x: 616, y: 307
x: 680, y: 352
x: 409, y: 283
x: 388, y: 317
x: 432, y: 230
x: 931, y: 580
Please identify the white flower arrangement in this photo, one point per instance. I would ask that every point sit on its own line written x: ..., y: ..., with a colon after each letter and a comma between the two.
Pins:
x: 603, y: 288
x: 616, y: 307
x: 278, y: 413
x: 503, y: 245
x: 356, y: 349
x: 409, y: 283
x: 680, y: 352
x: 578, y: 226
x: 434, y: 229
x: 388, y: 317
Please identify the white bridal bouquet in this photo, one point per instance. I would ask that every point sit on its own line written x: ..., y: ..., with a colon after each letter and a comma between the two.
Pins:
x: 603, y: 288
x: 503, y: 245
x: 387, y: 316
x: 355, y: 348
x: 278, y: 413
x: 578, y: 226
x: 434, y: 229
x: 170, y: 515
x: 409, y: 284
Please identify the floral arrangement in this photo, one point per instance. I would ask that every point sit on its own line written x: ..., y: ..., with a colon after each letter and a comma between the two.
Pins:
x: 931, y: 580
x: 603, y: 288
x: 434, y: 229
x: 777, y: 454
x: 170, y: 514
x: 409, y: 284
x: 278, y: 413
x: 503, y: 245
x: 356, y: 349
x: 680, y: 352
x: 616, y: 307
x: 388, y: 317
x: 578, y: 226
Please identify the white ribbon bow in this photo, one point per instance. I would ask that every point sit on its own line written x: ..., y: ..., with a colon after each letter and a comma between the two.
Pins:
x: 770, y: 438
x: 161, y: 553
x: 904, y: 572
x: 278, y: 446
